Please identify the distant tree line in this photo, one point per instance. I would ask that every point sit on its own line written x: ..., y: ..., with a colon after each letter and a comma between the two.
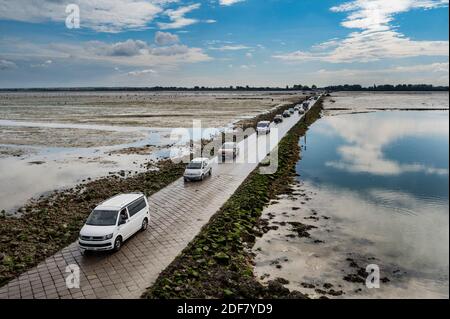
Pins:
x: 387, y: 87
x: 296, y: 87
x: 165, y: 88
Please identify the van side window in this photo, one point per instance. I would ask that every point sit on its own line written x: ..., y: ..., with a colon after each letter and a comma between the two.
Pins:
x: 136, y: 207
x: 123, y: 214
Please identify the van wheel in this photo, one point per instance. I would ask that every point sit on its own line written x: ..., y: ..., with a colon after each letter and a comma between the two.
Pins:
x: 210, y: 172
x: 202, y: 177
x: 117, y: 243
x: 144, y: 224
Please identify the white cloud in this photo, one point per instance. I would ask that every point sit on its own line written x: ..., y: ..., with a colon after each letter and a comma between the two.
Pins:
x: 136, y: 52
x: 433, y: 73
x: 433, y: 67
x: 5, y: 65
x: 166, y: 38
x: 230, y: 48
x: 177, y: 17
x: 141, y: 72
x: 126, y: 48
x: 229, y: 2
x: 249, y: 55
x: 376, y: 15
x: 99, y: 15
x: 377, y: 39
x: 349, y: 73
x: 42, y: 65
x: 364, y: 149
x: 128, y: 53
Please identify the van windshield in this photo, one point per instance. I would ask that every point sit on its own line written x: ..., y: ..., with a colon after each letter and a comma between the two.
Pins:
x: 102, y: 218
x: 263, y: 124
x: 196, y: 165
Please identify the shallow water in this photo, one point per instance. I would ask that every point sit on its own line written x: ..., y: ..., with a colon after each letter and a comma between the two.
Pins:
x: 376, y: 186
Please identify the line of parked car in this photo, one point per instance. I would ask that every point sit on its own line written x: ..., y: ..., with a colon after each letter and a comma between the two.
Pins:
x: 115, y: 220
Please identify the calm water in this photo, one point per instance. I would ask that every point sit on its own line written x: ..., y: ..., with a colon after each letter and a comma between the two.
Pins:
x: 362, y: 101
x: 383, y: 178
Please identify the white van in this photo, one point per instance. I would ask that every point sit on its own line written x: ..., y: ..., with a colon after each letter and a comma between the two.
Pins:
x: 198, y: 169
x: 114, y: 221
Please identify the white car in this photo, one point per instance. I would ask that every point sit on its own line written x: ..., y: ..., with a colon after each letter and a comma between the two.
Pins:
x: 263, y: 127
x: 229, y: 150
x: 115, y: 220
x: 198, y: 169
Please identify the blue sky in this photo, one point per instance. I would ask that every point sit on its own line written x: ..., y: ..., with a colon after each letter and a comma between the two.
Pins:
x: 223, y: 42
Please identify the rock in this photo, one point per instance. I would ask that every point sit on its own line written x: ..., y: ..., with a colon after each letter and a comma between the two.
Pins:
x: 354, y: 278
x: 301, y: 229
x: 320, y: 291
x: 296, y: 295
x: 282, y: 281
x: 307, y: 285
x: 277, y: 289
x: 333, y: 292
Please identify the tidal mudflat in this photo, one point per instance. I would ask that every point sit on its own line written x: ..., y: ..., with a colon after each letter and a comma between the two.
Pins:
x: 53, y: 140
x: 362, y: 102
x: 372, y: 190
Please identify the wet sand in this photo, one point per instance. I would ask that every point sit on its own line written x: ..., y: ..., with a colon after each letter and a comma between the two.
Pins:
x: 145, y: 109
x: 53, y: 140
x: 329, y: 259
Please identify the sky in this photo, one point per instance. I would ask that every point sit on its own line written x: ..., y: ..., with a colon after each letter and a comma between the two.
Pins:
x: 222, y: 42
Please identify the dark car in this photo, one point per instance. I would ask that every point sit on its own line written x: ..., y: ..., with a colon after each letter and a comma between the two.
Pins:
x: 278, y: 119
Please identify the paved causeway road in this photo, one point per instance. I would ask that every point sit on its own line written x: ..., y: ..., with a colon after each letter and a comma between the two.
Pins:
x: 177, y: 214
